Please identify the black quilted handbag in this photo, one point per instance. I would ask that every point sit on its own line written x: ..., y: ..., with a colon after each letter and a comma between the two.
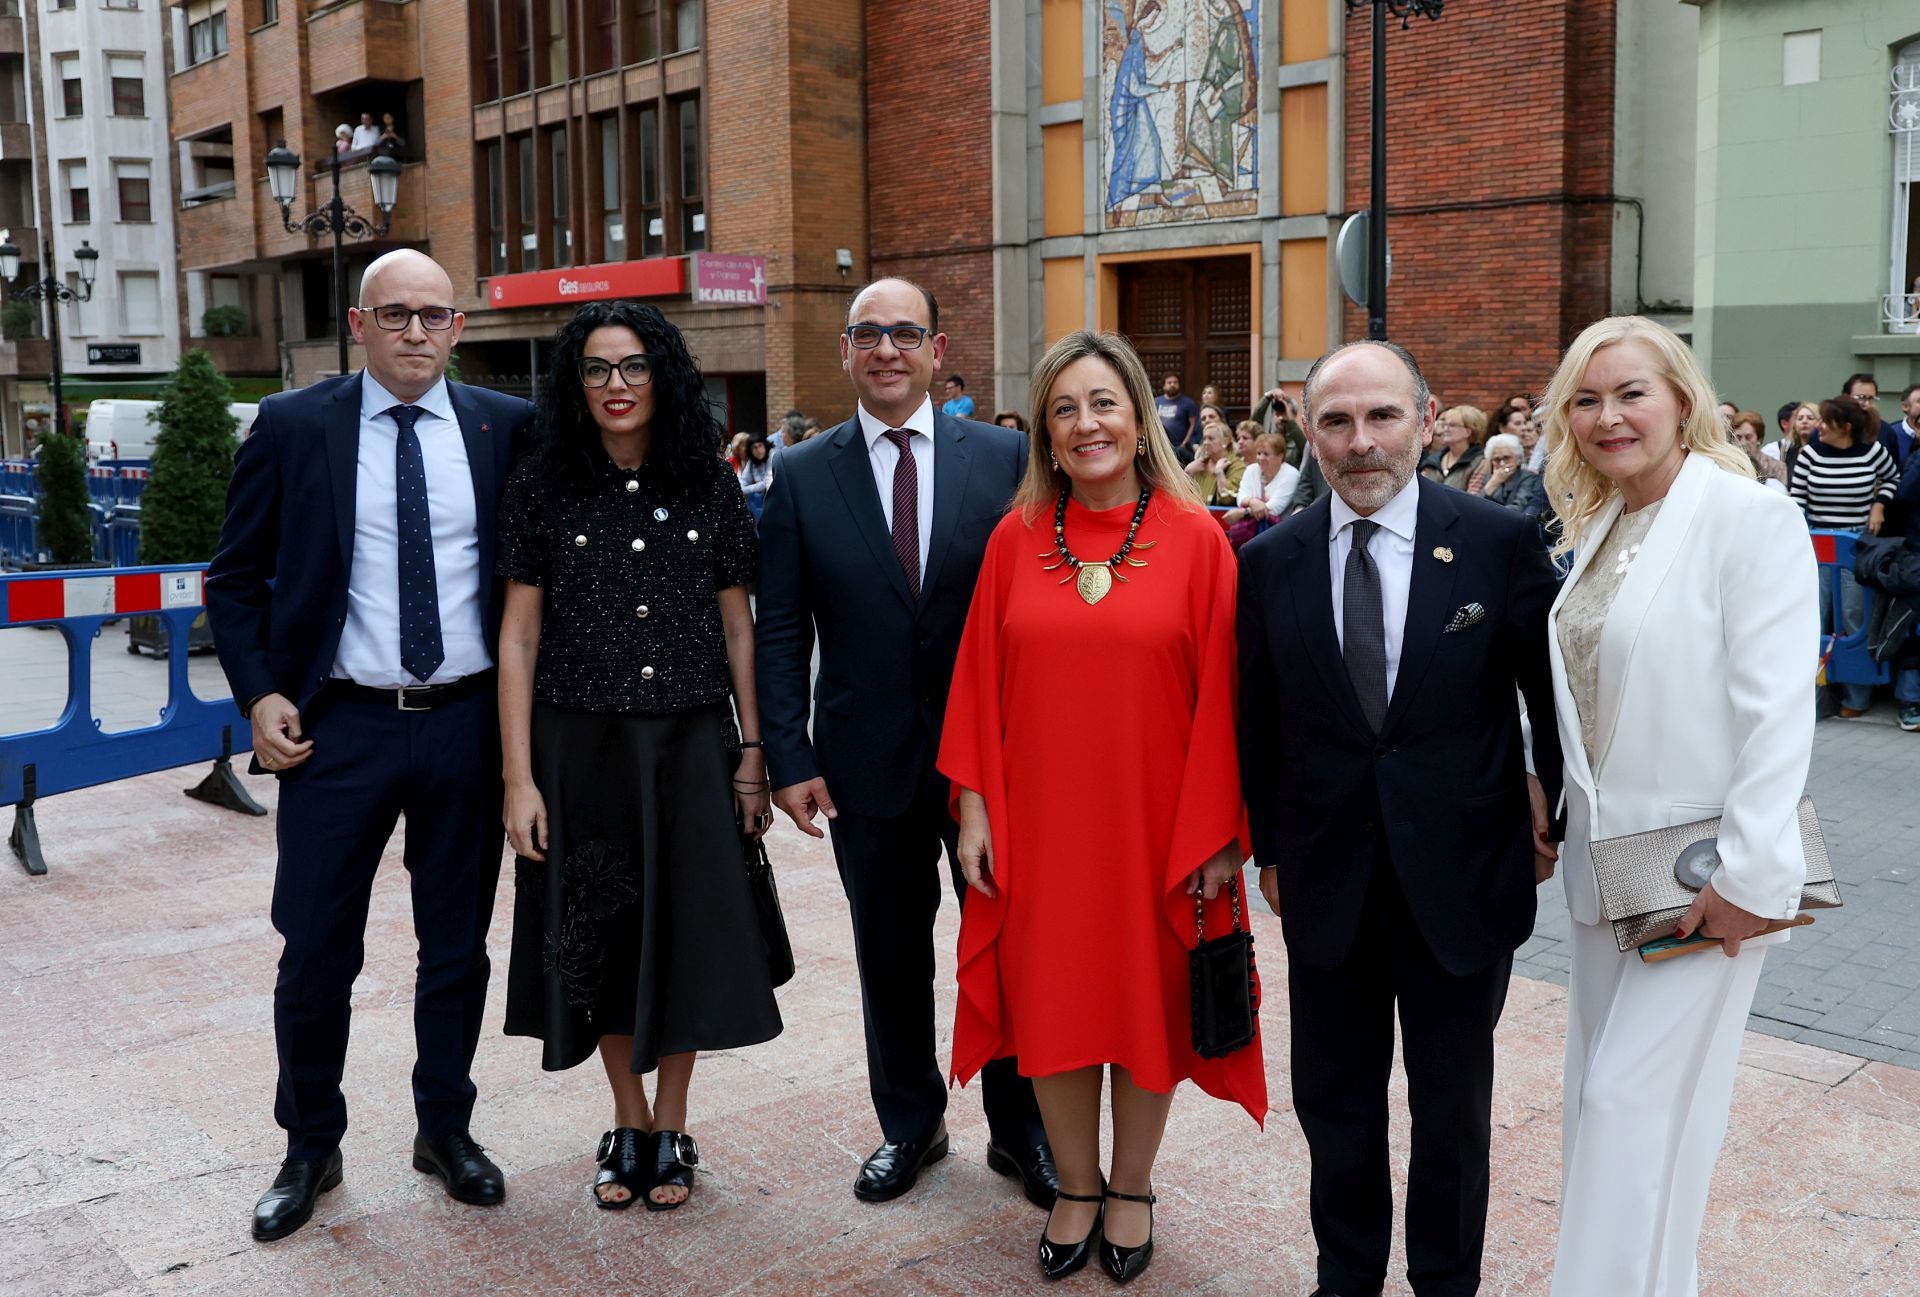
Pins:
x: 1226, y: 997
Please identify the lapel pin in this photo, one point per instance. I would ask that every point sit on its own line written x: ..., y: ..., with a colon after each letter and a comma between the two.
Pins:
x: 1442, y: 553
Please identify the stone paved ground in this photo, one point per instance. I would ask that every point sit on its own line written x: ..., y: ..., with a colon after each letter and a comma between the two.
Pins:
x: 136, y: 1065
x: 1850, y: 982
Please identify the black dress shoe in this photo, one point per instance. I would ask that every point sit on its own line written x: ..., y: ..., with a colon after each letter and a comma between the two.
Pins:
x: 470, y: 1175
x: 893, y: 1167
x: 289, y: 1203
x: 1125, y: 1264
x: 1058, y: 1260
x: 1035, y: 1170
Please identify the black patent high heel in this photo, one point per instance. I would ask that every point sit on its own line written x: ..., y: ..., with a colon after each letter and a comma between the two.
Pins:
x: 1058, y: 1260
x: 1126, y: 1264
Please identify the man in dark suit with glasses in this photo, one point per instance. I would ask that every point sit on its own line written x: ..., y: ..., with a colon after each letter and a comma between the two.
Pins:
x: 355, y: 613
x: 872, y: 539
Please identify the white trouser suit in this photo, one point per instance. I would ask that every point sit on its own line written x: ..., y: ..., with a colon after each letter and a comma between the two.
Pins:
x: 1704, y: 708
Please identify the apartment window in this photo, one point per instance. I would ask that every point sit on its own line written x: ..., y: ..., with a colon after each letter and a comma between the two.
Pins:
x: 522, y: 46
x: 686, y: 24
x: 1800, y: 58
x: 224, y: 290
x: 269, y: 12
x: 1900, y: 309
x: 602, y: 17
x: 140, y: 303
x: 59, y: 4
x: 653, y: 234
x: 693, y: 213
x: 561, y: 178
x: 206, y: 30
x: 73, y: 178
x: 556, y: 42
x: 72, y: 101
x: 644, y: 24
x: 495, y: 160
x: 120, y: 4
x: 133, y: 181
x: 487, y: 33
x: 529, y: 204
x: 127, y: 72
x: 612, y: 228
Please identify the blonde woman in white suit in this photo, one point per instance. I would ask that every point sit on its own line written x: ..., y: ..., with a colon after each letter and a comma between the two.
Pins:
x: 1684, y: 648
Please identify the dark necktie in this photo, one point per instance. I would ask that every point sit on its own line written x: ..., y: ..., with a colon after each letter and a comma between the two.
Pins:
x: 1363, y: 638
x: 906, y: 510
x: 421, y: 651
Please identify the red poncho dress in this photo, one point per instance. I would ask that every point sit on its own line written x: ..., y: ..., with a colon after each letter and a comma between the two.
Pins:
x: 1102, y: 738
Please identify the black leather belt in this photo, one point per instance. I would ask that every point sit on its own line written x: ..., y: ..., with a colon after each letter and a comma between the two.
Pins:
x: 413, y: 698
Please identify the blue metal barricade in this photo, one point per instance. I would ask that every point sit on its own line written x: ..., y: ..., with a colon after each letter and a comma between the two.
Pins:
x: 123, y: 536
x: 19, y: 530
x: 16, y: 477
x: 73, y: 753
x: 1846, y: 657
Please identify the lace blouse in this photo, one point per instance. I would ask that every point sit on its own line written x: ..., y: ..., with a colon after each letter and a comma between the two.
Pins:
x: 1584, y: 615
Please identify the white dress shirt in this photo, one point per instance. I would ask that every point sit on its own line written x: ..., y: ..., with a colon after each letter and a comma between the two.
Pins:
x: 883, y: 455
x: 1392, y: 552
x: 365, y: 136
x: 370, y: 641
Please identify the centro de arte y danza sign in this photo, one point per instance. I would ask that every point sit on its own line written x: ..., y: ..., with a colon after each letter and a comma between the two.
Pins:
x: 708, y: 278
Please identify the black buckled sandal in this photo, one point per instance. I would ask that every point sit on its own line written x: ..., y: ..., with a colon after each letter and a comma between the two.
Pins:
x: 674, y: 1157
x: 619, y: 1159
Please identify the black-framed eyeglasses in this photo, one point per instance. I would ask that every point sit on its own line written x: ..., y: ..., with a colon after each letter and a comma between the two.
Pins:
x: 435, y: 319
x: 635, y: 371
x: 906, y: 337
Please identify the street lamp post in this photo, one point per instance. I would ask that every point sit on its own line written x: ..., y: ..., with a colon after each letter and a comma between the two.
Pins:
x: 50, y: 290
x: 336, y: 218
x: 1406, y: 11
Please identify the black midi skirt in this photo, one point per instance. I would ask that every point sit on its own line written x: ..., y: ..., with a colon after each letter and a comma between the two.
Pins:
x: 639, y: 922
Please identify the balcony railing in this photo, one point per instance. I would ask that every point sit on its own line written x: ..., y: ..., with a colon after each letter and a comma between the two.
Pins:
x: 1900, y: 312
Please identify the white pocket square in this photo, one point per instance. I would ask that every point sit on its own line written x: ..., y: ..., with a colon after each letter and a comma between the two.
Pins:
x: 1466, y: 617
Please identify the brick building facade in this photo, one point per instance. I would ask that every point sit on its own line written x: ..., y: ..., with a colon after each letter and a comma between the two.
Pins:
x: 1500, y: 171
x: 986, y: 148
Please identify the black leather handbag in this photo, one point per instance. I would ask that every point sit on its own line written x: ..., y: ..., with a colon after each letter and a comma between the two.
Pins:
x: 1226, y: 996
x: 766, y: 903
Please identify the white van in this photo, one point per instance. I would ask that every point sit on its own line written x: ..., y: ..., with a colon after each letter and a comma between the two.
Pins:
x: 119, y: 429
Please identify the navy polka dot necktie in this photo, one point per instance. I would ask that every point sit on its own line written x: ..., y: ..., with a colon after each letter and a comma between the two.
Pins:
x: 421, y: 651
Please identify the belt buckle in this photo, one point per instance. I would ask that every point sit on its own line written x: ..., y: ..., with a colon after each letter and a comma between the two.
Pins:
x: 400, y: 698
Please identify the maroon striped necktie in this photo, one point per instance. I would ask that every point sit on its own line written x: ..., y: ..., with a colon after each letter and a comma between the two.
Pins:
x: 906, y: 510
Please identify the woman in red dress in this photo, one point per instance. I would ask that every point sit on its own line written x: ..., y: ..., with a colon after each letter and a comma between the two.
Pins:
x: 1089, y: 738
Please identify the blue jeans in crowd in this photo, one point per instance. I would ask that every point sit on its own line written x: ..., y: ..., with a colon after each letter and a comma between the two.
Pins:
x: 1852, y: 610
x: 1906, y: 686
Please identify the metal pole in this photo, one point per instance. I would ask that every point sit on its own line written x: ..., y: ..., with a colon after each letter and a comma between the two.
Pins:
x: 50, y: 289
x: 1377, y: 199
x: 336, y: 213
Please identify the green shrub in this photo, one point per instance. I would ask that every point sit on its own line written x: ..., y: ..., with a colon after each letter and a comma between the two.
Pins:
x: 223, y: 322
x: 66, y: 521
x: 186, y: 495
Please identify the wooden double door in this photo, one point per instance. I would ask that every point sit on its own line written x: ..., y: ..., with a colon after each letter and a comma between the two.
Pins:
x: 1193, y: 317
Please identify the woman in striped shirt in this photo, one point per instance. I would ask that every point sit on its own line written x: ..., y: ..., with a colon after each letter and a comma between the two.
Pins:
x: 1843, y: 482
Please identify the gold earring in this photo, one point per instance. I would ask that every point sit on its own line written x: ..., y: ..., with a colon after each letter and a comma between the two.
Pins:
x: 1051, y: 459
x: 1140, y: 447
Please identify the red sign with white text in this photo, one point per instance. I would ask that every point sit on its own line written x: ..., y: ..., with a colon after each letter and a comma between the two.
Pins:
x: 659, y: 277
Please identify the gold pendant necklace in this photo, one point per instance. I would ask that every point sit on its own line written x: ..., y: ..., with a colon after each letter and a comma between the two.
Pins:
x: 1095, y: 580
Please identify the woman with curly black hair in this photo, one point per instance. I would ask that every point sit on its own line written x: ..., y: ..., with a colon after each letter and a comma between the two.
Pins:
x: 626, y: 657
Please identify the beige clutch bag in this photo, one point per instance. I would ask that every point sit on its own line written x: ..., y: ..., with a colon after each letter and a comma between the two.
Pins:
x: 1648, y: 880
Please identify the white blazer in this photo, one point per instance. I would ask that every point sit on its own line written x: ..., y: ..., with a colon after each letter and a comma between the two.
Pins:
x: 1705, y: 704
